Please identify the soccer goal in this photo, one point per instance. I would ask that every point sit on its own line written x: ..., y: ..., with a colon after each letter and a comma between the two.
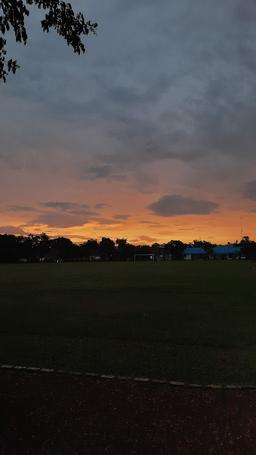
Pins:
x: 139, y: 257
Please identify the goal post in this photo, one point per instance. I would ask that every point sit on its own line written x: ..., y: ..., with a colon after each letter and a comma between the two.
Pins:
x: 139, y: 257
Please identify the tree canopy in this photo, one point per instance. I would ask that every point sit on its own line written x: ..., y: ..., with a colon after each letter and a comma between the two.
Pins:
x: 42, y: 248
x: 59, y: 16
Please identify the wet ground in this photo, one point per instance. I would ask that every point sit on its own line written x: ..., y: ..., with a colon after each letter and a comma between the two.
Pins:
x: 44, y: 413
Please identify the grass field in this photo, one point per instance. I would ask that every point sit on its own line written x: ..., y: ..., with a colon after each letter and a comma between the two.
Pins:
x: 181, y: 320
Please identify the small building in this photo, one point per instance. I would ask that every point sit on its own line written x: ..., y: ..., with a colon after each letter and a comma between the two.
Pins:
x: 227, y: 252
x: 192, y: 253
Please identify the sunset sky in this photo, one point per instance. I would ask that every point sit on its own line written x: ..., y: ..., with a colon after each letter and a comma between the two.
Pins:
x: 150, y: 136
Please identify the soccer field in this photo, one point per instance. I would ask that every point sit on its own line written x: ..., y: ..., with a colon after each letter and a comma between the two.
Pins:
x: 192, y: 321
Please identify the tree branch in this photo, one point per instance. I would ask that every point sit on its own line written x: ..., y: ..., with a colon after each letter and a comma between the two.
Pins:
x: 60, y: 16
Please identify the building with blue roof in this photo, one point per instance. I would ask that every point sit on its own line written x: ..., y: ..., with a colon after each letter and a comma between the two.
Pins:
x: 226, y: 252
x: 194, y: 253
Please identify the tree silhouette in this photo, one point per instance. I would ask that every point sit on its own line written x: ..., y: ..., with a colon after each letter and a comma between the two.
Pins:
x: 248, y: 247
x: 175, y: 248
x: 106, y: 248
x: 89, y: 249
x: 60, y: 16
x: 41, y: 248
x: 124, y: 251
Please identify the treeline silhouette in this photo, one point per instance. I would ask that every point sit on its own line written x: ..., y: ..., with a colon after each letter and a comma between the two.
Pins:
x: 42, y: 248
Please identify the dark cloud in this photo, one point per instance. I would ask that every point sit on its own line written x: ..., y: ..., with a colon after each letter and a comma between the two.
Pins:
x: 174, y: 205
x: 101, y: 171
x: 132, y: 97
x: 20, y: 208
x: 250, y: 190
x: 246, y: 12
x: 71, y: 207
x: 141, y: 4
x: 101, y: 205
x: 146, y: 182
x: 178, y: 84
x: 59, y: 220
x: 105, y: 221
x: 97, y: 172
x: 121, y: 217
x: 15, y: 230
x: 64, y: 214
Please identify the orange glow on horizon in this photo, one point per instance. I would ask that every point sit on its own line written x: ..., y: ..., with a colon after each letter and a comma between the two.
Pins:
x: 216, y: 228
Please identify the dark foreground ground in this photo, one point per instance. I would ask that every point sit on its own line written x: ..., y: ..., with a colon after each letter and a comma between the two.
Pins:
x: 187, y: 321
x: 51, y: 414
